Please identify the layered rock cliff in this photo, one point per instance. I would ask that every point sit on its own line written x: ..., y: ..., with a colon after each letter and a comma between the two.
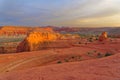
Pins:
x: 14, y: 30
x: 37, y: 40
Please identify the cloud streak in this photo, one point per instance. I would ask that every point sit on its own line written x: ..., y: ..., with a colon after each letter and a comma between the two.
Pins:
x: 83, y: 13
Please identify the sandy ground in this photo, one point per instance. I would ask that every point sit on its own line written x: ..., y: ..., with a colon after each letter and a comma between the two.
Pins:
x: 79, y: 62
x: 107, y: 68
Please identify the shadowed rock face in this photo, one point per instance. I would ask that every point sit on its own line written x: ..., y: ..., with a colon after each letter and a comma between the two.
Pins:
x: 103, y: 36
x: 37, y: 40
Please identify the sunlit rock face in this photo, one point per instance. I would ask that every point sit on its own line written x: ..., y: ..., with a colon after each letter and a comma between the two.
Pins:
x: 37, y: 40
x: 14, y: 30
x: 103, y: 36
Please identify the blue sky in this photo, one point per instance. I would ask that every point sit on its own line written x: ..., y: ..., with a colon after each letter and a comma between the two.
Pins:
x: 80, y: 13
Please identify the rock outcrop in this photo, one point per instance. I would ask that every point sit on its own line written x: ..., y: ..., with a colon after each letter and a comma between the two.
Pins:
x: 37, y: 40
x: 14, y: 30
x: 103, y: 36
x: 21, y: 30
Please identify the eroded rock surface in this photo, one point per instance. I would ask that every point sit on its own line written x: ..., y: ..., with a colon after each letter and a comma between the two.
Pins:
x: 37, y: 40
x: 103, y: 36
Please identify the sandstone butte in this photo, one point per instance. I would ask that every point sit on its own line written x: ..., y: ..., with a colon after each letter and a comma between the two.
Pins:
x: 21, y: 30
x: 14, y: 30
x: 103, y: 36
x: 37, y: 39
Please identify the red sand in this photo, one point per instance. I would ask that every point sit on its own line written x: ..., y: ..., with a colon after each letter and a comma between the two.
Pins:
x: 26, y: 65
x: 101, y: 69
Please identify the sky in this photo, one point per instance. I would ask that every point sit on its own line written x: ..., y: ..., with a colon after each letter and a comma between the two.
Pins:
x: 75, y: 13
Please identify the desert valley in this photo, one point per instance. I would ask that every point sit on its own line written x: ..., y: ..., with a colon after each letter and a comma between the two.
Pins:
x: 59, y: 53
x: 59, y: 39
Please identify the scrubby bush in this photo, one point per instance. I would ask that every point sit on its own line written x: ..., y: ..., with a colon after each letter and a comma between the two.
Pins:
x: 108, y: 54
x: 96, y: 38
x: 66, y: 60
x: 88, y: 53
x: 79, y: 43
x: 59, y: 62
x: 99, y: 55
x: 90, y: 40
x: 95, y: 51
x: 73, y: 57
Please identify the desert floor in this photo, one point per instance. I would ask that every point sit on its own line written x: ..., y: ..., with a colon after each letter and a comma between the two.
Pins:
x: 79, y: 62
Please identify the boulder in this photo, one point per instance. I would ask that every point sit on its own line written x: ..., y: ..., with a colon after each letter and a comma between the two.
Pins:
x: 103, y: 36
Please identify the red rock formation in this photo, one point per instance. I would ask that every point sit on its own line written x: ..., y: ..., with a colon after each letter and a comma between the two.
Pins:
x: 21, y: 30
x: 14, y: 30
x: 103, y: 36
x: 37, y: 40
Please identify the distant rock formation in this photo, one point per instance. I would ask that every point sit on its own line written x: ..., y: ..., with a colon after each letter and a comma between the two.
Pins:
x: 14, y: 30
x: 103, y: 36
x: 37, y: 40
x: 21, y: 30
x: 69, y: 36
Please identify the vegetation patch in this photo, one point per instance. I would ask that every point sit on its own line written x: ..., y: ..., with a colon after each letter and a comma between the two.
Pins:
x: 59, y: 62
x: 99, y: 55
x: 108, y: 54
